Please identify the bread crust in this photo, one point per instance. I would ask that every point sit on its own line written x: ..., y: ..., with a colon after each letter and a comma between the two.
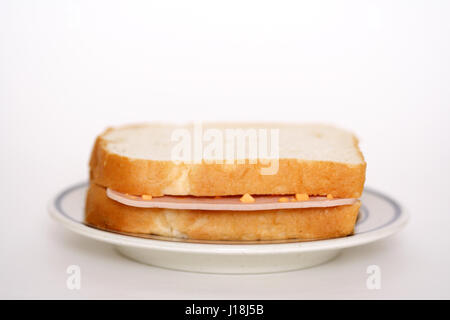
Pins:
x: 302, y: 224
x: 158, y: 178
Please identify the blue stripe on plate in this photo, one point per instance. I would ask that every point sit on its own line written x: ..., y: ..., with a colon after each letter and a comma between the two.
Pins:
x: 363, y: 214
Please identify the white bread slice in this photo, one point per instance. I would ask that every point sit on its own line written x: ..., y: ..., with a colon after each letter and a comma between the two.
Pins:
x: 313, y: 159
x: 300, y: 224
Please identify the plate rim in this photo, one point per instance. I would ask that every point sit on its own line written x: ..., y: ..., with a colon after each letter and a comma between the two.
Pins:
x: 379, y: 233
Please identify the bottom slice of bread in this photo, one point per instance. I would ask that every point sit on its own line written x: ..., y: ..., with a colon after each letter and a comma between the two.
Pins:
x: 302, y: 224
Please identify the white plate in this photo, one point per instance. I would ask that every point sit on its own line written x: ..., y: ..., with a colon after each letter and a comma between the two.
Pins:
x: 379, y: 217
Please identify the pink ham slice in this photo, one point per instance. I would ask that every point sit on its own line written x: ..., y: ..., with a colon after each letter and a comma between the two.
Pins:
x: 231, y: 203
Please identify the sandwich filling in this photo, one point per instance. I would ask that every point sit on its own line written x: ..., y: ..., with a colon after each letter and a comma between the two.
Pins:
x: 228, y: 203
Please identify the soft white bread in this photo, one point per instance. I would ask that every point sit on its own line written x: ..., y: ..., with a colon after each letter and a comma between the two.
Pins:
x: 313, y: 159
x: 302, y: 224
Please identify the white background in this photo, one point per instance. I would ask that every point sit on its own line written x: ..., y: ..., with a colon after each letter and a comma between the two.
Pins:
x: 68, y: 69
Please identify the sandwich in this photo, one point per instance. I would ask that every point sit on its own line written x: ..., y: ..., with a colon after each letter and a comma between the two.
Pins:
x: 223, y: 181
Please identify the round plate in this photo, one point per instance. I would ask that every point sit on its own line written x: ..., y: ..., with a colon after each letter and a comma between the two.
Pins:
x: 379, y: 217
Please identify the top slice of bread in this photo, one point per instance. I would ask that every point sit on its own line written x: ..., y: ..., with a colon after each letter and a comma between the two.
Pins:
x: 313, y: 159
